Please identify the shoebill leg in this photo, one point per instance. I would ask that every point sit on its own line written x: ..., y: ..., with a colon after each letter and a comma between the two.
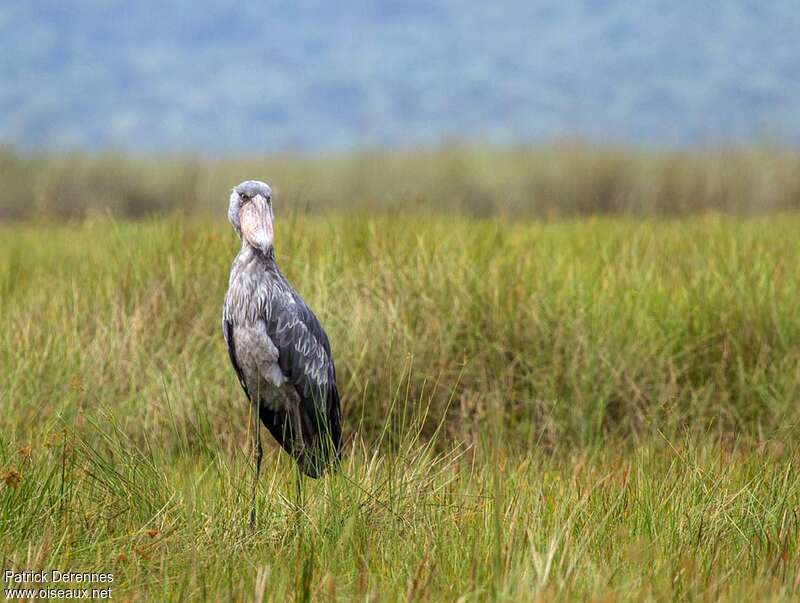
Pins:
x: 257, y: 454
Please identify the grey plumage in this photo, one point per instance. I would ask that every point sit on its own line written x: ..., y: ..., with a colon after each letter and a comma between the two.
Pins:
x: 278, y: 348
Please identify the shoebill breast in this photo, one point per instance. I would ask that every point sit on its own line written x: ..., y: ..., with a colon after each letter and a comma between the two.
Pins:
x: 278, y: 348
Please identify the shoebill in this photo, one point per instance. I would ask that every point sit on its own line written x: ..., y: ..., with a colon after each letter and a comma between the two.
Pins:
x: 278, y: 348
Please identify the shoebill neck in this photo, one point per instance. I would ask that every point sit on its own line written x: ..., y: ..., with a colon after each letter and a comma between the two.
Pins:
x: 249, y: 251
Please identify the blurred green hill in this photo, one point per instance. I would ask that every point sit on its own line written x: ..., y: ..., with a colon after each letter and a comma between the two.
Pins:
x: 215, y: 76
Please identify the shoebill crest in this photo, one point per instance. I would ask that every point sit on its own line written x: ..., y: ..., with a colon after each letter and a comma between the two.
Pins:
x: 278, y: 348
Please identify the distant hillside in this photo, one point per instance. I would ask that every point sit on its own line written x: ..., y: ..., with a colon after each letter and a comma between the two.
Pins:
x: 224, y: 76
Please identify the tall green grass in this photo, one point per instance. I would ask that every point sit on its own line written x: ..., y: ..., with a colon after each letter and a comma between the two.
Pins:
x: 563, y: 333
x: 552, y: 410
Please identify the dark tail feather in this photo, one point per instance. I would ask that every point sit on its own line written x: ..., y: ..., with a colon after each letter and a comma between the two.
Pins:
x: 324, y: 450
x: 323, y: 439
